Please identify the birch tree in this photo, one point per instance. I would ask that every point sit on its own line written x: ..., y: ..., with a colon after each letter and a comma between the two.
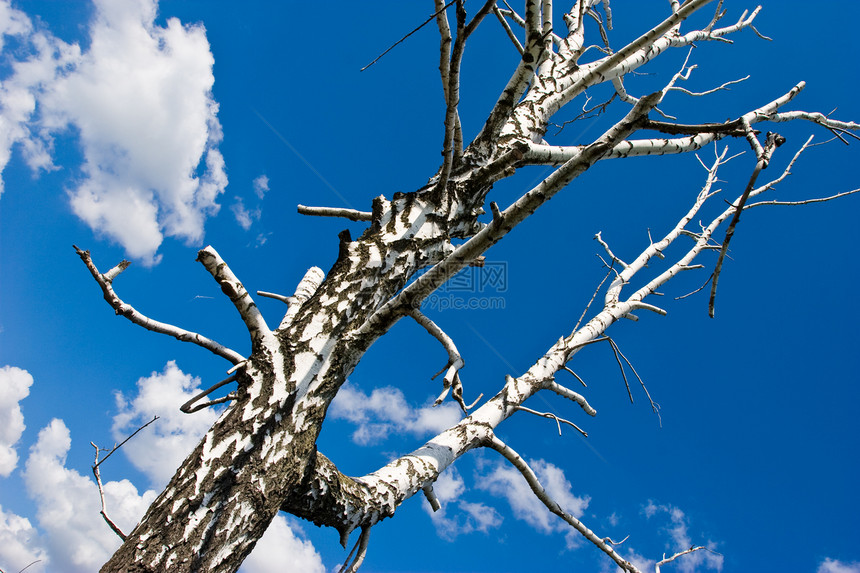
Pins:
x: 261, y: 457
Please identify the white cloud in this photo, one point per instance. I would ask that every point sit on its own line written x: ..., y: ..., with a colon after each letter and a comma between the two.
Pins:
x: 42, y: 59
x: 12, y: 22
x: 681, y: 540
x: 73, y: 533
x: 160, y: 449
x: 451, y: 523
x: 386, y: 411
x: 14, y: 386
x: 836, y: 566
x: 482, y: 517
x: 68, y: 504
x: 449, y: 486
x: 506, y: 481
x: 261, y: 185
x: 19, y: 541
x: 280, y: 550
x: 140, y: 100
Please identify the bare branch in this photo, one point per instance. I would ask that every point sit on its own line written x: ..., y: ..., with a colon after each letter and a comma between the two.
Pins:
x: 284, y: 299
x: 451, y: 379
x: 114, y: 527
x: 304, y: 290
x: 679, y: 554
x: 451, y: 73
x: 654, y: 406
x: 187, y: 406
x: 805, y: 201
x: 609, y: 252
x: 532, y: 55
x: 520, y: 464
x: 773, y: 141
x: 350, y: 214
x: 508, y: 30
x: 575, y: 375
x: 235, y: 291
x: 587, y: 306
x: 123, y: 309
x: 431, y: 497
x: 573, y: 396
x: 559, y: 421
x: 452, y: 148
x: 361, y: 545
x: 509, y: 218
x: 401, y: 40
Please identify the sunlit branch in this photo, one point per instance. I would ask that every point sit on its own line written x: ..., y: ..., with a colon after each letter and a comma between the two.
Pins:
x: 520, y: 464
x: 451, y: 380
x: 235, y: 291
x: 304, y: 290
x: 123, y: 309
x: 559, y: 421
x: 350, y: 214
x: 508, y: 30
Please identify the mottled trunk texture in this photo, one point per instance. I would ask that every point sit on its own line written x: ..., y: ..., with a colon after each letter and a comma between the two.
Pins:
x: 262, y: 450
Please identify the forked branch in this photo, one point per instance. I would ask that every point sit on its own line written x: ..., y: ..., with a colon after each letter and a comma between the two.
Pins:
x: 105, y: 281
x: 97, y: 474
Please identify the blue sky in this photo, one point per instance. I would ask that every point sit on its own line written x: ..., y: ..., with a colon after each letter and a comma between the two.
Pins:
x: 147, y: 130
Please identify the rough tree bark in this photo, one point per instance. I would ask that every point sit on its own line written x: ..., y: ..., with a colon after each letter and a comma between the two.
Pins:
x: 260, y: 457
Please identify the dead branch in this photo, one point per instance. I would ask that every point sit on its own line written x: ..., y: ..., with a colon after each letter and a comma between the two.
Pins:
x: 187, y: 408
x: 431, y: 497
x: 520, y: 464
x: 236, y: 292
x: 559, y: 421
x: 126, y: 310
x: 114, y: 527
x: 351, y: 214
x: 773, y: 141
x: 361, y: 545
x: 401, y: 40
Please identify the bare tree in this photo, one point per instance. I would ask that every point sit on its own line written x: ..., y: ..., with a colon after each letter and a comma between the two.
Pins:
x: 260, y: 457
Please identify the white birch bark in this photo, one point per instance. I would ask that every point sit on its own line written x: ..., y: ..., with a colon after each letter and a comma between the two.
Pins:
x: 260, y: 457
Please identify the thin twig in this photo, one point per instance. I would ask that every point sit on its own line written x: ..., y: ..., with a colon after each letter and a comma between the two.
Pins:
x: 559, y: 421
x: 520, y: 464
x: 115, y: 448
x: 621, y: 367
x: 700, y: 289
x: 114, y: 527
x: 773, y: 141
x: 394, y: 45
x: 654, y: 406
x: 575, y: 375
x: 804, y: 202
x: 587, y: 306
